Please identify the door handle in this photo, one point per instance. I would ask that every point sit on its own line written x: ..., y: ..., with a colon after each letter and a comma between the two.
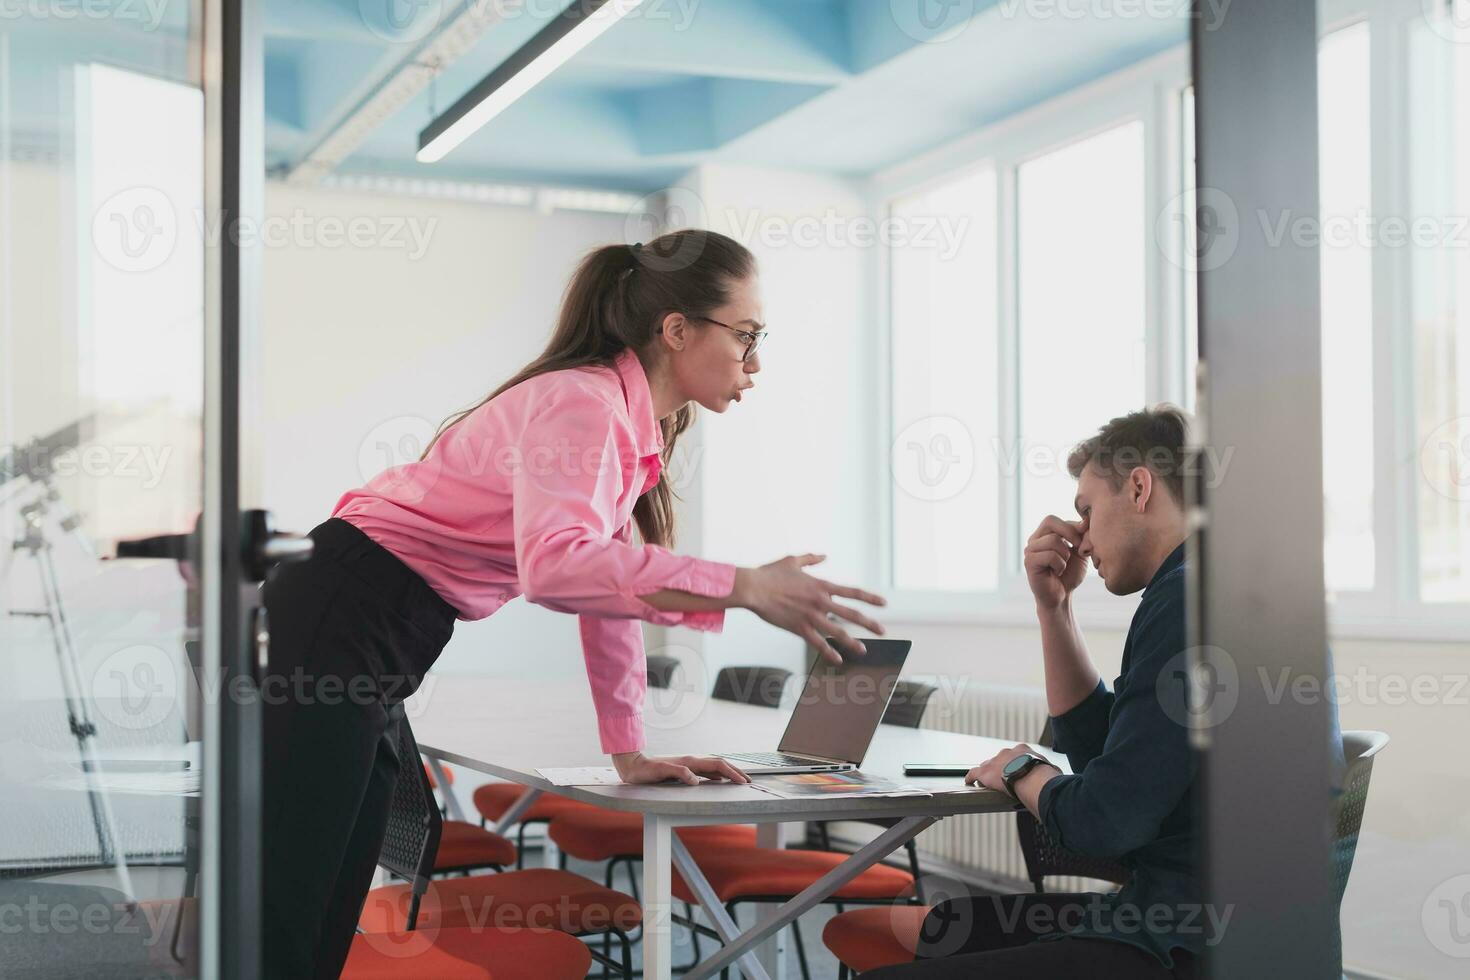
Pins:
x: 261, y: 547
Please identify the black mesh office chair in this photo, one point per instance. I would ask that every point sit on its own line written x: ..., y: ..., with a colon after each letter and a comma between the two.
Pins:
x: 661, y: 671
x: 1045, y: 856
x: 1358, y: 749
x: 761, y: 686
x: 411, y: 842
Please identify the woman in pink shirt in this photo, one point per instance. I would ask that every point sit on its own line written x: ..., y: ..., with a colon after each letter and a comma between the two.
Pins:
x: 535, y: 491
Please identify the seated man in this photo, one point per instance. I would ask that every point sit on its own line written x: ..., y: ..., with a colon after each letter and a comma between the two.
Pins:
x: 1132, y: 795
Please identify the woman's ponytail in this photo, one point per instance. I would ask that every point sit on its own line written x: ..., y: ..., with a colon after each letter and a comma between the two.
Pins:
x: 616, y: 300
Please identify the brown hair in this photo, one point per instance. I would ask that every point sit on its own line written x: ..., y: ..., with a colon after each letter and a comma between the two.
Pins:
x: 1157, y: 438
x: 617, y: 300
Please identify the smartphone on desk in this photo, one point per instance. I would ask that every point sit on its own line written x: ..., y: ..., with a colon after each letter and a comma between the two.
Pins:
x: 935, y: 769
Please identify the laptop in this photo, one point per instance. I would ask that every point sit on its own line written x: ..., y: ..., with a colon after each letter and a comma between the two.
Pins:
x: 834, y: 719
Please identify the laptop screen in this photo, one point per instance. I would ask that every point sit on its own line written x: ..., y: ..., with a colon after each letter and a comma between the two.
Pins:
x: 841, y: 706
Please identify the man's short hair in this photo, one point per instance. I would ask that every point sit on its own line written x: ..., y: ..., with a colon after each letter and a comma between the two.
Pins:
x: 1154, y: 437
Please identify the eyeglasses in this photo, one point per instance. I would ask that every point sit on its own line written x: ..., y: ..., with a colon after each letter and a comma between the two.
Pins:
x: 753, y: 339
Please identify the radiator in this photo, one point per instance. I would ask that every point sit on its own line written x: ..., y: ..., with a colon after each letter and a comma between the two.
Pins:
x: 983, y: 846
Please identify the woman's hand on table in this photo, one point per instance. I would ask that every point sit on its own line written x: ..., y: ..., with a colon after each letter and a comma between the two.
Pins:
x: 635, y: 767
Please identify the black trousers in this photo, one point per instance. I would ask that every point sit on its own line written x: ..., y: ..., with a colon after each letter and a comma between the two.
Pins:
x: 999, y: 936
x: 352, y: 632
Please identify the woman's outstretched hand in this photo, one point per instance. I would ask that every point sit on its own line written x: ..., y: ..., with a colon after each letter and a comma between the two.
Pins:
x: 785, y: 595
x: 635, y: 767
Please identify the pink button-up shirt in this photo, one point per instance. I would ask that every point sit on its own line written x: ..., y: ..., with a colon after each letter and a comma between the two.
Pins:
x: 532, y: 494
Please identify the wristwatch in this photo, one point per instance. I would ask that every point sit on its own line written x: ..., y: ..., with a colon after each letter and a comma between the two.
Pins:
x: 1019, y: 767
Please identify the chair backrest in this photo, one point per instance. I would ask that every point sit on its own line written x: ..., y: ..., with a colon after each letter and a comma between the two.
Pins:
x: 661, y: 671
x: 1045, y: 856
x: 411, y: 840
x: 1358, y: 750
x: 906, y: 707
x: 751, y: 685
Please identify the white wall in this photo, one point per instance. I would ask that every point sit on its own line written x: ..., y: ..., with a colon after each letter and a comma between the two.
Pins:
x: 371, y: 347
x: 786, y: 471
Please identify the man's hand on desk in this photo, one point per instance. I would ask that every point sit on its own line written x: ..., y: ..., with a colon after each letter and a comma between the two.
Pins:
x: 635, y: 767
x: 1028, y: 787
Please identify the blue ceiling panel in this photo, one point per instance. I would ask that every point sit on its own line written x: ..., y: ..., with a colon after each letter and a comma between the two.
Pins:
x: 834, y: 86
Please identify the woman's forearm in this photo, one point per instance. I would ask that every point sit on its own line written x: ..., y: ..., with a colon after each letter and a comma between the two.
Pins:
x: 677, y: 600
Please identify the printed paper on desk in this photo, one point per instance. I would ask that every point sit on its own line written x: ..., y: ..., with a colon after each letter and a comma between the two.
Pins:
x: 794, y: 786
x: 581, y: 776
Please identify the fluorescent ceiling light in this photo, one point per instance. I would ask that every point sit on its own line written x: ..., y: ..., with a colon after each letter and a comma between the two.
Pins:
x: 553, y: 46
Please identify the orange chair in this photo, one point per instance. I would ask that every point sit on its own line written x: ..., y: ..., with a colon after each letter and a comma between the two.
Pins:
x: 493, y: 800
x: 768, y: 875
x: 529, y: 900
x: 434, y: 783
x: 866, y: 939
x: 467, y: 954
x: 402, y: 950
x: 466, y: 847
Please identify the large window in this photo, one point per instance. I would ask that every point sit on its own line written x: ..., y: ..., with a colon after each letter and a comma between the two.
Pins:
x: 1075, y: 302
x: 1438, y: 96
x: 1014, y: 346
x: 946, y: 505
x: 1345, y: 189
x: 1080, y: 303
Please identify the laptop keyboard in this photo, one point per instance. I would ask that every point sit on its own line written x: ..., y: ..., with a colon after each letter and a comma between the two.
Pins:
x: 772, y: 759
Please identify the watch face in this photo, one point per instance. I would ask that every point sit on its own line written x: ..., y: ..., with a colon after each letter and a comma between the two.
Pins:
x: 1017, y: 764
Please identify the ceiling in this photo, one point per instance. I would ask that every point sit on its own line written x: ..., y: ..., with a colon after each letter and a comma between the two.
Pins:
x: 834, y: 86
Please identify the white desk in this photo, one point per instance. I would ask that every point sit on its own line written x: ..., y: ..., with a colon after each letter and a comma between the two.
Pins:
x: 509, y: 728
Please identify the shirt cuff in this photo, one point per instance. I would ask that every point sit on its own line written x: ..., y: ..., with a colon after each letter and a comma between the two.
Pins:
x: 621, y: 733
x: 707, y: 578
x: 1087, y: 717
x: 1044, y: 802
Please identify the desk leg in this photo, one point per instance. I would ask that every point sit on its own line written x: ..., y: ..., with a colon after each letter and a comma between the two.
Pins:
x: 446, y: 789
x: 772, y: 952
x: 658, y: 953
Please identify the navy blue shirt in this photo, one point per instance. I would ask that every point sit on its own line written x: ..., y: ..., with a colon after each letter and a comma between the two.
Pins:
x: 1132, y: 793
x: 1131, y: 796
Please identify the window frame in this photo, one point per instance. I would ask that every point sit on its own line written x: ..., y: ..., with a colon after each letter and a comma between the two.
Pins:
x: 1153, y: 91
x: 1148, y: 92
